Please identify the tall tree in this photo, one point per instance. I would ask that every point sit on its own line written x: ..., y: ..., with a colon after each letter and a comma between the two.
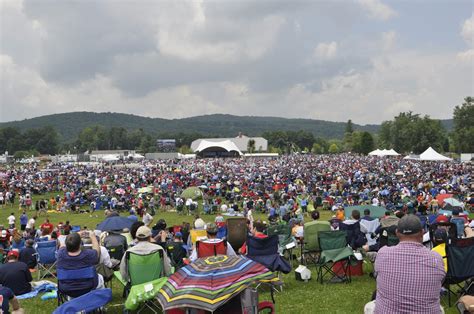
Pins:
x: 349, y: 127
x: 463, y: 134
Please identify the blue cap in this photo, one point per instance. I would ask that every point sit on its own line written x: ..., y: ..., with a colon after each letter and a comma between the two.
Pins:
x: 178, y: 234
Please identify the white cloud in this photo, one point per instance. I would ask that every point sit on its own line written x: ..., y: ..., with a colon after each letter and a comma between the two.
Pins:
x: 377, y: 9
x: 389, y: 39
x: 325, y: 51
x: 467, y: 31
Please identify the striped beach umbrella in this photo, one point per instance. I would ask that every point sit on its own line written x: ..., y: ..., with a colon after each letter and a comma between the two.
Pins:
x: 210, y: 282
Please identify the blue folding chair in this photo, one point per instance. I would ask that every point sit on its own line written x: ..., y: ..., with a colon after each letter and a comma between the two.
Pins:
x: 92, y: 301
x: 75, y: 282
x: 46, y: 258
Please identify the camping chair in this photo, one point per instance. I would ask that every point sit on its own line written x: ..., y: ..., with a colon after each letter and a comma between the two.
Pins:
x: 460, y: 254
x: 46, y: 258
x: 285, y: 239
x: 236, y: 232
x: 265, y: 252
x: 450, y: 228
x: 116, y: 252
x: 310, y: 246
x: 205, y: 249
x: 197, y: 234
x: 145, y: 279
x: 75, y: 282
x: 334, y: 249
x: 93, y: 301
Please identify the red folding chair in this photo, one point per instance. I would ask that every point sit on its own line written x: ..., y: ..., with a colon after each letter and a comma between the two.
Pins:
x: 205, y: 249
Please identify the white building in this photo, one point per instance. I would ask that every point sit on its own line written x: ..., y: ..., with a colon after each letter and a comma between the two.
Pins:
x: 241, y: 142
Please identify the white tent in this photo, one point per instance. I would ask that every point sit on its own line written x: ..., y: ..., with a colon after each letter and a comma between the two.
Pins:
x: 375, y: 152
x: 431, y: 154
x: 392, y: 152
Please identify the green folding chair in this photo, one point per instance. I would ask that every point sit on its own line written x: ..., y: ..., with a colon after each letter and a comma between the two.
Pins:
x: 146, y: 276
x: 310, y: 245
x: 283, y: 231
x: 334, y: 249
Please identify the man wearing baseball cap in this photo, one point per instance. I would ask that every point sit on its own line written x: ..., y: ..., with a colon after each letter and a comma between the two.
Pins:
x: 409, y: 276
x: 144, y: 246
x: 15, y: 275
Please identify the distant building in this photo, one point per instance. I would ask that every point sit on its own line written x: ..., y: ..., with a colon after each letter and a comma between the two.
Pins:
x: 241, y: 143
x: 110, y: 155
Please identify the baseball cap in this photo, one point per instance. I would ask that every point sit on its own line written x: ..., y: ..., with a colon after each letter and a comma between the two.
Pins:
x: 178, y: 235
x: 199, y: 224
x: 143, y: 232
x: 409, y: 224
x: 14, y: 253
x: 211, y: 228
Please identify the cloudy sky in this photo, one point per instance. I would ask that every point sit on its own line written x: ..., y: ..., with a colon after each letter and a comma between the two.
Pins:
x: 364, y: 60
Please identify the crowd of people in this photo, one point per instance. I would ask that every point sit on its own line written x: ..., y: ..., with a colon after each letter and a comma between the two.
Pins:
x: 288, y: 189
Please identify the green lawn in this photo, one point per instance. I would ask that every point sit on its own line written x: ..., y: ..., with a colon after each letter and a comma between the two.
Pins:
x: 297, y: 297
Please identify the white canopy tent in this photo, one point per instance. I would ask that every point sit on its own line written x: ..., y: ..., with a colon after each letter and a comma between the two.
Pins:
x: 375, y: 152
x: 431, y: 154
x: 226, y: 145
x: 384, y: 152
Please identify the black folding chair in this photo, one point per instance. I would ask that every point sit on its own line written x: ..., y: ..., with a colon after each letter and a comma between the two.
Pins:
x: 460, y: 256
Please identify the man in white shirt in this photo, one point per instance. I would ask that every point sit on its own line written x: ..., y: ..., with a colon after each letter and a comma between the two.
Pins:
x: 147, y: 218
x: 11, y: 221
x: 31, y: 223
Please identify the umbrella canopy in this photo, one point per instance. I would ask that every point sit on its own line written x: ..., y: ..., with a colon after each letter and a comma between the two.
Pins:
x: 192, y: 192
x: 146, y: 189
x: 441, y: 197
x: 210, y: 282
x: 453, y: 202
x: 115, y: 223
x: 120, y: 191
x: 375, y: 211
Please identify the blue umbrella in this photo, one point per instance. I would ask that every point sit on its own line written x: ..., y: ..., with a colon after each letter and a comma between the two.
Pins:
x: 115, y: 223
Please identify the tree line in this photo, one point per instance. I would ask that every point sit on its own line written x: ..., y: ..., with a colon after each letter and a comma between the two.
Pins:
x: 406, y: 133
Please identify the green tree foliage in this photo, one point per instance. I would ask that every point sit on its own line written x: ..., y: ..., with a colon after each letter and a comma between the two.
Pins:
x: 463, y: 134
x: 333, y: 149
x: 251, y: 146
x: 409, y: 132
x: 44, y: 140
x: 349, y: 127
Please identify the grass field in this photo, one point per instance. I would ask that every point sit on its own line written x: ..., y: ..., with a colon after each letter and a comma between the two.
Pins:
x: 297, y: 297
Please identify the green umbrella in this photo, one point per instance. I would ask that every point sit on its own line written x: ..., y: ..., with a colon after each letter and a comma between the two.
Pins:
x: 192, y: 192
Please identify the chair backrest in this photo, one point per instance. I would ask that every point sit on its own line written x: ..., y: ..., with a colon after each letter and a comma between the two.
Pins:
x: 144, y: 268
x: 46, y: 252
x: 450, y: 228
x: 460, y: 254
x: 262, y: 246
x: 330, y: 240
x: 76, y: 274
x: 236, y: 232
x: 76, y: 282
x: 222, y: 232
x: 197, y: 235
x: 459, y: 222
x: 281, y: 229
x: 87, y: 302
x: 116, y: 252
x: 311, y: 231
x: 205, y: 249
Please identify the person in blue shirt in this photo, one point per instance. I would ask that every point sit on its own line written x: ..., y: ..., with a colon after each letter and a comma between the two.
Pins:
x: 23, y: 221
x: 132, y: 215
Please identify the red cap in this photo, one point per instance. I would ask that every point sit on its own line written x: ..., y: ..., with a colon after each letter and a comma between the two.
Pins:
x: 442, y: 218
x: 13, y: 253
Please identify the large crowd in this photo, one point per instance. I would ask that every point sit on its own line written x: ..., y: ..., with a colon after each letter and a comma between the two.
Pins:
x: 286, y: 189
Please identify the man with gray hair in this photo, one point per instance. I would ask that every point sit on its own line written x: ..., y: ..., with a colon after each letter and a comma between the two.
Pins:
x: 409, y: 276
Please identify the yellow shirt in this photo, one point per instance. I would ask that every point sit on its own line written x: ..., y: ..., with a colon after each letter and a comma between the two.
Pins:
x: 441, y: 250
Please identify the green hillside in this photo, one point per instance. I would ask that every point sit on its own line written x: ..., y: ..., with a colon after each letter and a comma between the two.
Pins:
x: 70, y: 124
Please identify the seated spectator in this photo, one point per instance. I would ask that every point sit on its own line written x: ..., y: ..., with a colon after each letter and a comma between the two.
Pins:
x: 257, y: 231
x: 15, y: 275
x: 367, y: 215
x: 211, y: 232
x: 114, y: 239
x: 144, y: 246
x: 439, y: 238
x: 17, y: 240
x: 133, y: 231
x: 7, y: 298
x: 355, y: 237
x: 409, y: 276
x: 27, y: 255
x: 4, y: 238
x: 457, y: 214
x: 315, y: 215
x: 47, y: 227
x: 132, y: 215
x: 175, y: 247
x: 72, y: 257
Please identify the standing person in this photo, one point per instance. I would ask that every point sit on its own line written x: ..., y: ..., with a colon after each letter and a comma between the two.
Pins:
x: 147, y: 218
x: 409, y: 276
x: 11, y: 221
x: 23, y: 221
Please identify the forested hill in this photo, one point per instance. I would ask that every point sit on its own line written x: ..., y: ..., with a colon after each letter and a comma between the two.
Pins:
x: 70, y: 124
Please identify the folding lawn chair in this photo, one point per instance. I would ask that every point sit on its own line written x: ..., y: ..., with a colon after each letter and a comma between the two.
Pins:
x: 46, y: 258
x: 236, y: 232
x: 145, y: 279
x: 284, y: 238
x: 265, y: 252
x: 116, y: 252
x: 334, y: 249
x: 205, y: 249
x: 460, y: 255
x: 91, y: 302
x: 310, y: 246
x: 73, y: 283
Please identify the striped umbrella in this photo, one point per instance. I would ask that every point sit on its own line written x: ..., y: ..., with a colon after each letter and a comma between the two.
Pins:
x: 210, y: 282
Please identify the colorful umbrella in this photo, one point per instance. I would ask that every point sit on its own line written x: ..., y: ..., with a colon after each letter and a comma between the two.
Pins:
x: 210, y: 282
x: 441, y: 197
x: 453, y: 202
x: 115, y: 223
x: 146, y: 189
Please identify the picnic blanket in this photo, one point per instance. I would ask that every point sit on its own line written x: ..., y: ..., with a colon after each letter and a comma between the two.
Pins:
x: 38, y: 287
